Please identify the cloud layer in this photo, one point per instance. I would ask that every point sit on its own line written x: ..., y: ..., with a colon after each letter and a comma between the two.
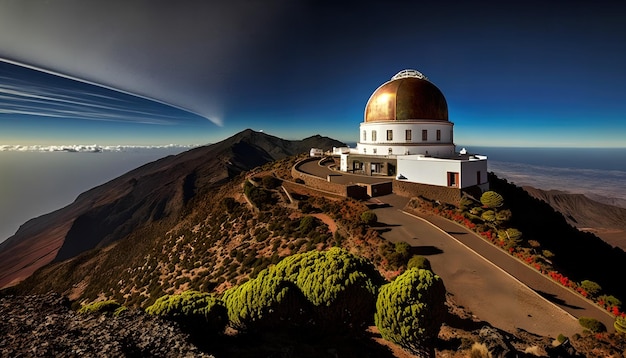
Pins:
x: 94, y: 148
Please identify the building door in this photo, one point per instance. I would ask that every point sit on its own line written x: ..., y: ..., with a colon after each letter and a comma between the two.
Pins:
x: 453, y: 179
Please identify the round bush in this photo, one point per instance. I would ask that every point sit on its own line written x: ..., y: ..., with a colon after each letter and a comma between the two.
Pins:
x: 266, y: 302
x: 340, y: 286
x: 491, y: 199
x: 411, y: 309
x: 591, y: 287
x: 592, y: 324
x: 369, y: 217
x: 418, y: 262
x: 196, y: 311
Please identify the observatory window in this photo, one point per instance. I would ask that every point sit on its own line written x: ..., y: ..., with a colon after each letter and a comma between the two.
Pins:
x: 390, y: 151
x: 364, y: 136
x: 407, y: 134
x: 438, y: 134
x: 374, y: 150
x: 389, y: 134
x: 373, y: 136
x: 424, y: 134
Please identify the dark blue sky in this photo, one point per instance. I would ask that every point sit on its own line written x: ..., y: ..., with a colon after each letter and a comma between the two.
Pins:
x: 515, y: 73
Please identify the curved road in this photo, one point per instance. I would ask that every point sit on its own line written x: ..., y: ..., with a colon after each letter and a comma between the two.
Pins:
x: 492, y: 284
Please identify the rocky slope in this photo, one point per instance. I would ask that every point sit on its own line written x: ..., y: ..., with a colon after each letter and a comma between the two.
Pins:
x: 155, y: 192
x: 606, y: 221
x: 45, y: 326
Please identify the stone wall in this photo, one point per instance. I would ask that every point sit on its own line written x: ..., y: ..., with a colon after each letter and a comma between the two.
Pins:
x: 316, y: 182
x: 432, y: 192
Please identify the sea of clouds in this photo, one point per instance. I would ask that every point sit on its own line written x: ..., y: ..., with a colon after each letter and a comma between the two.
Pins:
x: 606, y: 186
x: 93, y: 148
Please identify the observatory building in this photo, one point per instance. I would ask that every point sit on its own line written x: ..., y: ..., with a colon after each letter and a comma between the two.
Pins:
x: 406, y: 134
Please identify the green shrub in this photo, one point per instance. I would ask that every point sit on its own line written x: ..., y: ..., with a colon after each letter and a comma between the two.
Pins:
x: 109, y: 306
x: 561, y: 338
x: 195, y: 311
x: 307, y: 224
x: 592, y: 324
x: 411, y: 309
x: 591, y: 287
x: 488, y: 215
x: 491, y: 199
x: 503, y: 215
x: 258, y: 196
x: 266, y: 302
x: 341, y: 287
x: 620, y: 325
x: 610, y: 300
x: 511, y: 236
x: 369, y: 217
x: 271, y: 182
x: 332, y: 291
x: 418, y: 262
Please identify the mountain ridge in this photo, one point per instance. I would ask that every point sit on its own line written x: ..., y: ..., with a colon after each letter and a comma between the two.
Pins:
x: 604, y: 220
x: 152, y: 192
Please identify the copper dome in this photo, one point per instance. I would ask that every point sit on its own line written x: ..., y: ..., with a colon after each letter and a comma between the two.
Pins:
x: 409, y: 95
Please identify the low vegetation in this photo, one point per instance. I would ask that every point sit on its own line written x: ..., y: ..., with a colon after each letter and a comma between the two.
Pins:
x: 320, y: 292
x: 592, y: 324
x: 195, y: 311
x: 109, y: 306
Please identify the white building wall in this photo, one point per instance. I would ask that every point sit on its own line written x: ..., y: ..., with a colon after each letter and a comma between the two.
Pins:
x: 383, y: 149
x: 399, y: 144
x: 343, y: 162
x: 469, y: 171
x: 399, y: 129
x: 425, y: 170
x: 435, y: 171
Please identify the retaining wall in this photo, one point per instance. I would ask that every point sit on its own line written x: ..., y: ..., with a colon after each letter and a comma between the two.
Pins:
x: 432, y: 192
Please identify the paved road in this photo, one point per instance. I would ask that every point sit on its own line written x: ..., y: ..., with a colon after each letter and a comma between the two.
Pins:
x: 485, y: 279
x: 496, y: 287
